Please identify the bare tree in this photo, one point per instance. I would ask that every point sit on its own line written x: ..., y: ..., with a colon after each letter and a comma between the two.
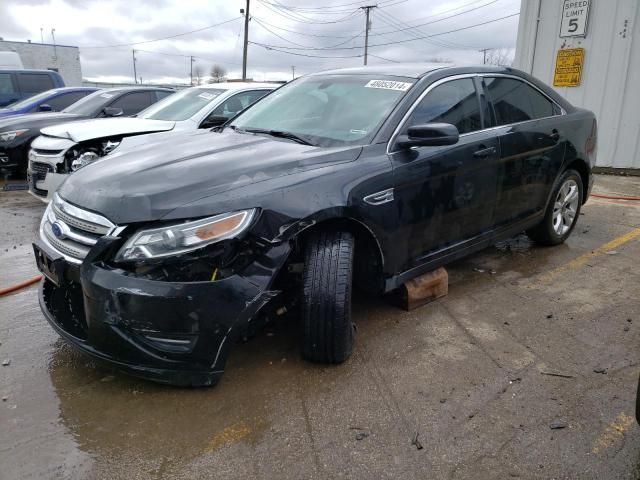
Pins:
x: 500, y: 56
x: 197, y: 75
x: 218, y: 74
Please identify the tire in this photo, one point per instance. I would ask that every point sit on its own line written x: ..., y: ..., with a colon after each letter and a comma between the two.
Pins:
x: 562, y: 212
x: 327, y: 330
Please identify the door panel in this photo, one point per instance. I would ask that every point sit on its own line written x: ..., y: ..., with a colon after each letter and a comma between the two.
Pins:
x: 532, y: 147
x: 444, y: 195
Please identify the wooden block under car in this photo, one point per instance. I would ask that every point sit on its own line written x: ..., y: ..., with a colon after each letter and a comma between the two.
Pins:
x: 423, y: 289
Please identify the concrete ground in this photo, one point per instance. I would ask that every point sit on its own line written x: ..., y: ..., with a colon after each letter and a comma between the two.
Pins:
x: 468, y: 387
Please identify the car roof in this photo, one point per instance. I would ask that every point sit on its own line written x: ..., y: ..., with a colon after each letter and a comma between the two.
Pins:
x: 133, y: 89
x: 72, y: 89
x: 411, y: 70
x: 239, y: 85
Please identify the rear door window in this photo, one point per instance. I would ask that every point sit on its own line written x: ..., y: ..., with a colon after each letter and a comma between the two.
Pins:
x: 132, y: 103
x: 515, y: 101
x: 236, y: 103
x: 160, y: 94
x: 30, y: 83
x: 63, y: 100
x: 455, y: 102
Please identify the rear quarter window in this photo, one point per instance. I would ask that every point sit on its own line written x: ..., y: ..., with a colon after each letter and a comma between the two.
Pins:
x: 515, y: 101
x: 34, y: 82
x: 6, y: 84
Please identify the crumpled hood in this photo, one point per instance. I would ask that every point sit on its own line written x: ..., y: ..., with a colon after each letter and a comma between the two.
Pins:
x: 149, y: 182
x: 106, y: 127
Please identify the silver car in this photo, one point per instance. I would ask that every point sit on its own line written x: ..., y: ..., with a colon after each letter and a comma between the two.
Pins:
x: 62, y: 149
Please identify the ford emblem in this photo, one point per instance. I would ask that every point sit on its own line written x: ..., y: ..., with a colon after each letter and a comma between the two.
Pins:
x: 56, y: 228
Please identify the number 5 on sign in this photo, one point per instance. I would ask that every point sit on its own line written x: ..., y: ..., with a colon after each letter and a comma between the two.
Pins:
x: 575, y: 14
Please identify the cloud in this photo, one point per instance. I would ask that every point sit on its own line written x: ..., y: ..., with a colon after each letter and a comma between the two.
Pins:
x: 292, y: 27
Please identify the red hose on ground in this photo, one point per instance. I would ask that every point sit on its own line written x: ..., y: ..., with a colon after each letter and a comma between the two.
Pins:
x: 18, y: 286
x: 615, y: 197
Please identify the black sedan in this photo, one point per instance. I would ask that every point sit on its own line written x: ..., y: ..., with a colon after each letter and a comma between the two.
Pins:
x: 18, y: 131
x: 370, y: 177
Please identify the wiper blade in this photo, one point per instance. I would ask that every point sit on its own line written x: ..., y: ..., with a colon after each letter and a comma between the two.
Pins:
x: 280, y: 134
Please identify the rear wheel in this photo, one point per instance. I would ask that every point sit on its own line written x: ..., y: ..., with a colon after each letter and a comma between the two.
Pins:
x: 327, y: 330
x: 562, y: 212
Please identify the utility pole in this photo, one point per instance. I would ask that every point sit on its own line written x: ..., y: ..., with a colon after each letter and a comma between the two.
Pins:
x: 484, y: 51
x: 53, y: 37
x: 293, y: 72
x: 246, y: 42
x: 135, y: 74
x: 192, y: 60
x: 41, y: 35
x: 367, y: 26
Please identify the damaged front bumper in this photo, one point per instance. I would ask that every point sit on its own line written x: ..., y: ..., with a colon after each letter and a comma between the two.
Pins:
x: 175, y: 333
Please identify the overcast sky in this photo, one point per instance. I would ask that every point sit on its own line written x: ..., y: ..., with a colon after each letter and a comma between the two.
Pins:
x: 309, y: 29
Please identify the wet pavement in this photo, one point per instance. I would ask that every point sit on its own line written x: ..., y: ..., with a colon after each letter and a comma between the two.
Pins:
x: 527, y: 369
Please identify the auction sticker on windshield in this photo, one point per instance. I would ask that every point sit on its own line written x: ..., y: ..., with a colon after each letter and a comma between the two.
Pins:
x: 206, y: 96
x: 389, y: 85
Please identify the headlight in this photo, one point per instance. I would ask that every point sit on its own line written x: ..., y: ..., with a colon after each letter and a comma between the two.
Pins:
x: 83, y: 160
x: 184, y: 237
x: 8, y: 136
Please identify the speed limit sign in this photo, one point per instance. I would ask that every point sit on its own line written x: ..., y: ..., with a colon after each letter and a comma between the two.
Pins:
x: 574, y: 18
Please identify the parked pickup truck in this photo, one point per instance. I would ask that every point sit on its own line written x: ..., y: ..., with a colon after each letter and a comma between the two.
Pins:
x: 65, y: 148
x: 367, y: 177
x: 16, y: 85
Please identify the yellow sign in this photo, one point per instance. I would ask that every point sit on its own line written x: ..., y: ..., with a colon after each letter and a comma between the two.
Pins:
x: 568, y: 67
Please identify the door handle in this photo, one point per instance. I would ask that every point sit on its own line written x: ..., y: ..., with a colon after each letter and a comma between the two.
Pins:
x: 484, y: 152
x: 555, y: 136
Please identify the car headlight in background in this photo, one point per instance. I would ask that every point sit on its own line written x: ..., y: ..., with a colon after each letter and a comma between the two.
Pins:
x: 8, y: 136
x: 184, y: 237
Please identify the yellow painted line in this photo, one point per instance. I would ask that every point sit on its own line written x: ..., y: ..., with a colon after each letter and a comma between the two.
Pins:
x: 612, y: 433
x: 584, y: 258
x: 232, y: 434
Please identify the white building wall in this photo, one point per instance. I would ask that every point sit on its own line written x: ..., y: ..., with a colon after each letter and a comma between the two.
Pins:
x: 610, y: 84
x: 42, y: 56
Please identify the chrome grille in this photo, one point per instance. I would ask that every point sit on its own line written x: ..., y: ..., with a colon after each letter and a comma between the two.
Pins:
x: 72, y: 231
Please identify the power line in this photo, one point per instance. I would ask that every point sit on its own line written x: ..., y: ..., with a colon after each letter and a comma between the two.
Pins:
x: 301, y: 19
x: 411, y: 27
x: 306, y: 55
x: 163, y: 38
x: 396, y: 42
x: 305, y: 46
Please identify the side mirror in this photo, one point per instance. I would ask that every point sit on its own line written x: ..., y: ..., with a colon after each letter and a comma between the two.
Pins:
x: 429, y: 135
x: 45, y: 107
x: 214, y: 121
x: 112, y: 112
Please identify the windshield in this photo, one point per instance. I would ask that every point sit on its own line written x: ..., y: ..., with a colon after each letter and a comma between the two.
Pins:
x: 181, y: 105
x: 328, y: 110
x: 33, y: 99
x: 89, y: 104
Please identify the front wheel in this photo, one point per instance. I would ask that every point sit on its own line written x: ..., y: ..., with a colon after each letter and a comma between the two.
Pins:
x: 562, y: 212
x: 327, y: 331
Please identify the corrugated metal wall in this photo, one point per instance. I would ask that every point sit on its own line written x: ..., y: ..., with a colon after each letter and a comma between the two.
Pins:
x: 610, y: 84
